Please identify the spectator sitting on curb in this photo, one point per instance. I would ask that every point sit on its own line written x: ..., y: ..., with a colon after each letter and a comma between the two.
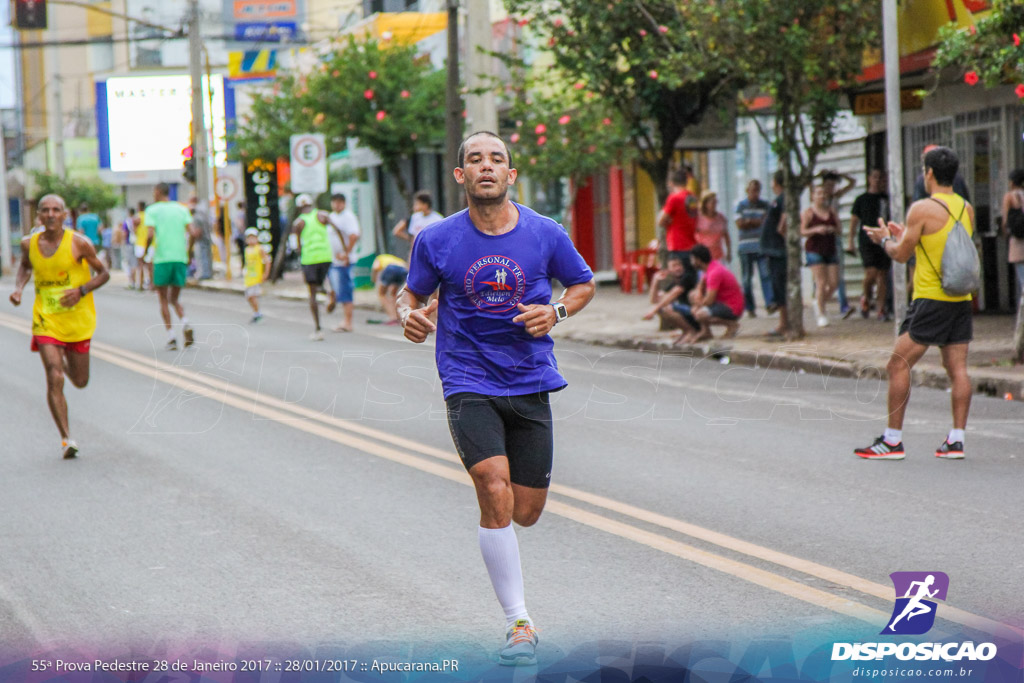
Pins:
x: 670, y: 289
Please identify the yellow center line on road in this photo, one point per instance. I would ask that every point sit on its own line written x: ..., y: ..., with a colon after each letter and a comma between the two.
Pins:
x: 334, y: 429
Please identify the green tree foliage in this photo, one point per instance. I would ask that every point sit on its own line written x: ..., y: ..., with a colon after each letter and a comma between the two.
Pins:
x: 801, y: 54
x: 277, y: 113
x: 100, y: 196
x: 992, y: 53
x: 384, y: 94
x: 645, y: 59
x: 561, y: 129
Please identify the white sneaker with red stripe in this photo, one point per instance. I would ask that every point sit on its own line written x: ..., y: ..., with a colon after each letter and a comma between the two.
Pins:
x: 880, y: 450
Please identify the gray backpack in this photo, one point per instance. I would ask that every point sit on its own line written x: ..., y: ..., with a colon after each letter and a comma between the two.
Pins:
x: 961, y: 270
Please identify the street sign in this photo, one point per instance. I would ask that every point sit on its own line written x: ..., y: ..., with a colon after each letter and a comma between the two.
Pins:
x: 229, y: 187
x: 309, y: 163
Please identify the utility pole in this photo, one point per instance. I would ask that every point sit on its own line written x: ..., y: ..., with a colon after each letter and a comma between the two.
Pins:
x: 453, y: 113
x: 200, y: 138
x: 6, y: 255
x: 200, y: 143
x: 894, y: 139
x: 56, y: 123
x: 481, y: 112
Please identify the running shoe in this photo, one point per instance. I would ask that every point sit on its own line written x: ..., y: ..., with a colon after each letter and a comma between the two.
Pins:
x: 520, y: 645
x: 848, y: 311
x: 331, y: 304
x: 950, y: 451
x: 256, y: 318
x: 189, y: 337
x: 316, y: 336
x: 171, y: 345
x: 822, y: 321
x: 68, y: 449
x: 880, y: 450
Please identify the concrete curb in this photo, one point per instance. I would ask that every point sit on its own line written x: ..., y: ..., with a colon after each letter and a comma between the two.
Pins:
x: 982, y: 383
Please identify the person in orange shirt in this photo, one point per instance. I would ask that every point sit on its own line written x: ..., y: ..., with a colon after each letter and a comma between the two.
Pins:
x: 63, y: 315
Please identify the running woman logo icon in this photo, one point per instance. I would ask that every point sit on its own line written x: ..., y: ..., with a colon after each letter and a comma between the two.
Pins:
x: 914, y: 611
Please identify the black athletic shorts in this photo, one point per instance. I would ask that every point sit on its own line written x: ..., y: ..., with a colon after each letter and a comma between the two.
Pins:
x: 872, y: 255
x: 518, y: 427
x: 316, y: 273
x: 939, y: 323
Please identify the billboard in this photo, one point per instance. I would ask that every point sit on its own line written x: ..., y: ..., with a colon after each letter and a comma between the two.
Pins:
x: 264, y: 20
x: 147, y: 121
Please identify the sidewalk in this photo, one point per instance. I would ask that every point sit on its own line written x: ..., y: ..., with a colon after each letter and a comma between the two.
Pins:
x: 846, y: 348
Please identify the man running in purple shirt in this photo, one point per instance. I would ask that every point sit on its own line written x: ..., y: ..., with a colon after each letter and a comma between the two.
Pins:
x: 493, y: 263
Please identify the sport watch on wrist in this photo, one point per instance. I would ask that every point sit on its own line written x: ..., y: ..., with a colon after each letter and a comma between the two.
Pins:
x: 560, y: 311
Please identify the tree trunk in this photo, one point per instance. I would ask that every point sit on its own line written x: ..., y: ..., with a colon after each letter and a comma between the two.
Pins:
x: 794, y: 262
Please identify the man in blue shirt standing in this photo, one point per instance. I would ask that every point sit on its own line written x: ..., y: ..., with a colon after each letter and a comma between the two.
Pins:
x: 493, y: 263
x: 90, y: 225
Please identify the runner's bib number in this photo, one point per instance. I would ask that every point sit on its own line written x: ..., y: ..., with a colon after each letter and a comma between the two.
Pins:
x: 51, y: 297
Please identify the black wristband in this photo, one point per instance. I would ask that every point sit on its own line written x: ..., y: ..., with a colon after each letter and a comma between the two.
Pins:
x: 81, y: 291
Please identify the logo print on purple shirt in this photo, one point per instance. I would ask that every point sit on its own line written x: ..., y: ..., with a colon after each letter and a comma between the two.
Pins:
x: 495, y: 283
x: 914, y: 611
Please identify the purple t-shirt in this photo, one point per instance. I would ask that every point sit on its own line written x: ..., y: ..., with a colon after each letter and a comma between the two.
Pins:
x: 482, y: 279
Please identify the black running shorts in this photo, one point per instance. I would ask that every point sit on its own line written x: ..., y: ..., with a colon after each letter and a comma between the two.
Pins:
x: 518, y: 427
x: 316, y: 273
x: 939, y: 323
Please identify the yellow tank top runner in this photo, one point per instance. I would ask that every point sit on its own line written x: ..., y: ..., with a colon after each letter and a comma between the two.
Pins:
x: 54, y: 275
x: 927, y: 279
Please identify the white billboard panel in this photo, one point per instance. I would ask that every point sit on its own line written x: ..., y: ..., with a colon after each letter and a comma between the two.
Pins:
x: 148, y: 119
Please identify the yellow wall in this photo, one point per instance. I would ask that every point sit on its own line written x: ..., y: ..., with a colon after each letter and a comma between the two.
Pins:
x: 646, y: 209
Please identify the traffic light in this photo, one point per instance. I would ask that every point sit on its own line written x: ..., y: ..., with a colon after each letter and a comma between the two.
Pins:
x: 30, y: 14
x: 189, y: 174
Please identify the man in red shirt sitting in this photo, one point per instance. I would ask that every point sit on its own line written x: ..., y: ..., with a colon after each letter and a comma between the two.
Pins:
x: 679, y: 217
x: 718, y: 300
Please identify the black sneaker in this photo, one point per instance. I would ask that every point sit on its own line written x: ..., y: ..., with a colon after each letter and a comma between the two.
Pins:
x: 950, y: 451
x: 189, y: 337
x: 880, y: 450
x: 171, y: 345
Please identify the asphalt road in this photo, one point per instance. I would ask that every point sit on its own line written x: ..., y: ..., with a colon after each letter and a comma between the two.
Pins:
x: 260, y: 490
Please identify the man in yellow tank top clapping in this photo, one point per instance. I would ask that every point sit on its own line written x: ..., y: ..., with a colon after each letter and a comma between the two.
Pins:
x: 63, y: 315
x: 934, y: 317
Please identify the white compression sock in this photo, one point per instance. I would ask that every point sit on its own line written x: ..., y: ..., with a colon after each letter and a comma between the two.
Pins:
x: 955, y: 435
x: 893, y: 436
x: 500, y: 550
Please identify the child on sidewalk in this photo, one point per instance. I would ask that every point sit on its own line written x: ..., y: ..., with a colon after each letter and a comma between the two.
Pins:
x: 257, y: 265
